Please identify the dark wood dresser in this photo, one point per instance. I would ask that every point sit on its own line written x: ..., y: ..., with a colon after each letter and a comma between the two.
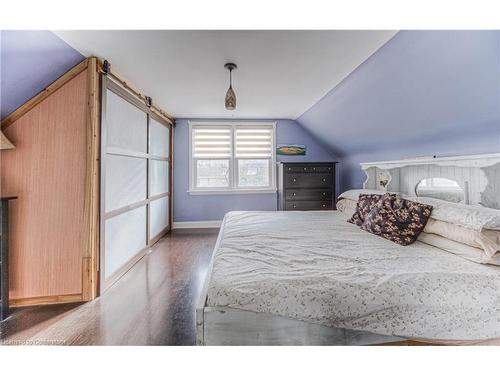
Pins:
x: 306, y: 186
x: 4, y: 257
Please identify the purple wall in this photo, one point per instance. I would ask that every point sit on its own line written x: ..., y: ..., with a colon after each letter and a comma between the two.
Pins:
x: 29, y: 62
x: 213, y: 207
x: 422, y: 93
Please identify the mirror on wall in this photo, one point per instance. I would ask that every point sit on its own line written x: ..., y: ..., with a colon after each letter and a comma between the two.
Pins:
x: 440, y: 188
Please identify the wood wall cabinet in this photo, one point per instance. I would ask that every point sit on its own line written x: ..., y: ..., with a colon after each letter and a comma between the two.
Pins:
x: 55, y: 173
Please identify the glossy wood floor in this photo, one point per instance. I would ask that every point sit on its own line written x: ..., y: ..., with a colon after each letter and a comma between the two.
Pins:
x: 153, y: 304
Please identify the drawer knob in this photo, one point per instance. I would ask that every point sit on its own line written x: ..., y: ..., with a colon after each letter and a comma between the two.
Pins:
x: 294, y: 194
x: 289, y: 169
x: 305, y: 168
x: 294, y: 179
x: 294, y: 206
x: 324, y: 205
x: 324, y: 193
x: 324, y: 179
x: 329, y: 169
x: 314, y: 169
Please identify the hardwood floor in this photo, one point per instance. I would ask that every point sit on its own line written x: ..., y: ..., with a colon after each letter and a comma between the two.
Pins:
x: 153, y: 304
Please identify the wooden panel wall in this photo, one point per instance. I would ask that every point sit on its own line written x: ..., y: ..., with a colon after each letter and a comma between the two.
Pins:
x: 47, y: 171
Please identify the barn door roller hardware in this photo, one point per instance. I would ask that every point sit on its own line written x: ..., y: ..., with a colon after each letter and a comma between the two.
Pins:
x: 106, y: 70
x: 147, y: 100
x: 106, y: 67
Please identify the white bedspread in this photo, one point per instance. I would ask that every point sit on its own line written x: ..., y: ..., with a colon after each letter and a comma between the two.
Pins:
x: 316, y: 267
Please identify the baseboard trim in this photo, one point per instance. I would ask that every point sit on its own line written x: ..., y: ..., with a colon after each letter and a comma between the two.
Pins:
x: 46, y: 300
x: 197, y: 224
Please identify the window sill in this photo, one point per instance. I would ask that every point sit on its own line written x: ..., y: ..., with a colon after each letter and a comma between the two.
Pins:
x: 231, y: 192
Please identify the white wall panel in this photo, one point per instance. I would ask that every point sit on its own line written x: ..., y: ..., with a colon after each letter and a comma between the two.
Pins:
x: 125, y: 237
x: 126, y: 124
x: 159, y: 180
x: 159, y: 142
x: 481, y: 184
x: 126, y: 181
x: 159, y: 214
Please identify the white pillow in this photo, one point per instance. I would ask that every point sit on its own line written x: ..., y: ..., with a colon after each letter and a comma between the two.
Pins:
x: 469, y: 216
x: 467, y: 252
x: 345, y: 205
x: 487, y: 240
x: 354, y: 193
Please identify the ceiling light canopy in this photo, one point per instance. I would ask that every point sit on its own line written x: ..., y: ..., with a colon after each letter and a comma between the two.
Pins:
x: 230, y: 95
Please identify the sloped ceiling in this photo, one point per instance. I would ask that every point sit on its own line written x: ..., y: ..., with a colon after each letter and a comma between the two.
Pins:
x: 280, y: 73
x: 420, y: 87
x: 29, y: 62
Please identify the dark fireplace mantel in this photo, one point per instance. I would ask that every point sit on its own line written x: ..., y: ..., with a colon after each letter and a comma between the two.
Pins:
x: 4, y: 256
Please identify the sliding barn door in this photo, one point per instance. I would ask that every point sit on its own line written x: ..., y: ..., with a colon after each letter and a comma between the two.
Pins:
x: 135, y: 181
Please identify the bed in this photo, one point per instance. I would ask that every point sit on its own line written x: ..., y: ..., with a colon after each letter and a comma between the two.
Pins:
x: 288, y: 275
x: 312, y: 278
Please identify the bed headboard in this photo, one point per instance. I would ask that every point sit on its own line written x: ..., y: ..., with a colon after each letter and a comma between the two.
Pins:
x: 478, y: 176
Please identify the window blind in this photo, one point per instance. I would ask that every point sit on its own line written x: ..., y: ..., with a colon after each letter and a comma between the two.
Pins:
x: 254, y: 143
x: 211, y: 143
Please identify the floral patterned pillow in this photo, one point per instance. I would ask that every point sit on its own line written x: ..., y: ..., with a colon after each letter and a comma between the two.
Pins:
x: 397, y: 219
x: 365, y: 204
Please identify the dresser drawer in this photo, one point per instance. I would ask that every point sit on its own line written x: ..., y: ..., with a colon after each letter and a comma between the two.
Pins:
x: 308, y: 205
x: 308, y: 180
x: 321, y: 169
x: 309, y: 169
x: 297, y: 169
x: 308, y: 194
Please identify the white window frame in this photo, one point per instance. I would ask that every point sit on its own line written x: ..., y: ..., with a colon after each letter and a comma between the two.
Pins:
x: 233, y: 168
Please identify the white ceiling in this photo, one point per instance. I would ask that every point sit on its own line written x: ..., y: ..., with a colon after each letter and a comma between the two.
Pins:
x: 280, y: 73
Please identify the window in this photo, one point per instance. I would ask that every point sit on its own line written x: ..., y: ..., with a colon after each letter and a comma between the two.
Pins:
x: 232, y: 157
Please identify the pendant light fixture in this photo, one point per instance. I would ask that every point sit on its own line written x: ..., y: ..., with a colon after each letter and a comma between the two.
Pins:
x: 230, y: 95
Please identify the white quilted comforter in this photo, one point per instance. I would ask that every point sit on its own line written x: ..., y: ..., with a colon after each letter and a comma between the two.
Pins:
x: 316, y: 267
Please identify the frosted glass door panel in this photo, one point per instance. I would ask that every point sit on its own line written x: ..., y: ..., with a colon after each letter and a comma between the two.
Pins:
x: 125, y: 237
x: 159, y: 142
x: 159, y: 177
x: 126, y: 124
x: 126, y: 180
x: 159, y: 216
x: 134, y: 145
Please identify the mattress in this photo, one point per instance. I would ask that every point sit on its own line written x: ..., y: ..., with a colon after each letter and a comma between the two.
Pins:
x: 316, y: 267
